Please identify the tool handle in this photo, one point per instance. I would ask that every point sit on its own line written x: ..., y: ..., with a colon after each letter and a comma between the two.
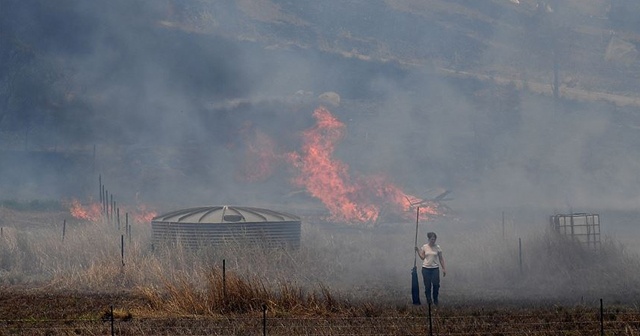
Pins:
x: 415, y: 257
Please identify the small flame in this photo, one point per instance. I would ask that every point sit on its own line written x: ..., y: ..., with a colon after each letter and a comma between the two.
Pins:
x: 92, y: 212
x: 142, y: 214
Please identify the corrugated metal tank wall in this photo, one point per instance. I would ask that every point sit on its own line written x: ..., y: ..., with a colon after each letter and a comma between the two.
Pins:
x: 219, y: 225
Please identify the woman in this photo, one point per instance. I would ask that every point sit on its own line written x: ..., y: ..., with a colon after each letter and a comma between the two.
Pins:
x: 432, y: 260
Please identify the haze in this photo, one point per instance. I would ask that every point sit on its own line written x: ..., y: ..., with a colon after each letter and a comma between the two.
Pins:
x: 510, y: 104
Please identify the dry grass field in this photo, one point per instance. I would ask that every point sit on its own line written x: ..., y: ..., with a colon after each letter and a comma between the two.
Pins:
x: 342, y: 281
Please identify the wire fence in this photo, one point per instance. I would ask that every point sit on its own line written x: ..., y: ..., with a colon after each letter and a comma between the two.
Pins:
x: 567, y: 322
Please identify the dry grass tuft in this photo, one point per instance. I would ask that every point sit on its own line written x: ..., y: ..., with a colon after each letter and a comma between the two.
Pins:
x: 233, y: 294
x: 117, y: 314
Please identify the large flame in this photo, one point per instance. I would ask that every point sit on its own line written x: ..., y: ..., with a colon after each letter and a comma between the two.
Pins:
x: 348, y: 199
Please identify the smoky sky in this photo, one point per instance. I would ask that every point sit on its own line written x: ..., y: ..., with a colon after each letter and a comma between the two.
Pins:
x: 166, y: 91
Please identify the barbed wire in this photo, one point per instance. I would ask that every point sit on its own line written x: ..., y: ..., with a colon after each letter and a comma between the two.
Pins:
x: 411, y: 325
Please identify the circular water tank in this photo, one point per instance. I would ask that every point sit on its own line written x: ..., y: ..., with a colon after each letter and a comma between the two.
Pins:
x: 218, y: 225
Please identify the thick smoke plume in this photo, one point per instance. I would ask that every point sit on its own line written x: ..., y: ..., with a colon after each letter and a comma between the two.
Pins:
x: 186, y: 102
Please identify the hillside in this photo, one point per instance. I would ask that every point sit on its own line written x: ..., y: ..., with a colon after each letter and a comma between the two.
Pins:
x: 590, y: 43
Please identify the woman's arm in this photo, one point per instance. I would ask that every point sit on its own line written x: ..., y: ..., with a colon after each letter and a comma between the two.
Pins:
x: 420, y: 253
x: 444, y: 268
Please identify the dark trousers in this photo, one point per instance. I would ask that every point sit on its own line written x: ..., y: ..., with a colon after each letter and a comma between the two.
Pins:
x: 431, y: 279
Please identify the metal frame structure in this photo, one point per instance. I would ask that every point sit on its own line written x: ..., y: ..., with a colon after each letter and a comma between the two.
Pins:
x: 580, y: 227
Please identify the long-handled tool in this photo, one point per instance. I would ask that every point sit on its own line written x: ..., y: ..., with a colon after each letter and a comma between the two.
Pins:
x: 415, y: 285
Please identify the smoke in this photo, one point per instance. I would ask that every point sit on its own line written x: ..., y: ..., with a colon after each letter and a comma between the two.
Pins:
x: 167, y: 92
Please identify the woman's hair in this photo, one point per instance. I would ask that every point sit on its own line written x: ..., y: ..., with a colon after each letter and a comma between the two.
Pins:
x: 431, y: 235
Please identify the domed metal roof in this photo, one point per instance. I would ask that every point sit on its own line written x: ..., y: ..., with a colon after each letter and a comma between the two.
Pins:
x: 225, y: 214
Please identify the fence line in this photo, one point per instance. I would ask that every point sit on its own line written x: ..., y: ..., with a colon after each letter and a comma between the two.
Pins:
x: 499, y: 324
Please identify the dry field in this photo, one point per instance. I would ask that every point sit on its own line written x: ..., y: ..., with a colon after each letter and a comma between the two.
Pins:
x: 342, y: 281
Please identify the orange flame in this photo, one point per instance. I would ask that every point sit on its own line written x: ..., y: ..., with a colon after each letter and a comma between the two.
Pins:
x: 92, y: 212
x: 142, y: 214
x: 328, y: 179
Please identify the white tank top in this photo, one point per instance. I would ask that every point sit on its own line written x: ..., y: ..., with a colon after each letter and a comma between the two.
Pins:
x: 431, y: 259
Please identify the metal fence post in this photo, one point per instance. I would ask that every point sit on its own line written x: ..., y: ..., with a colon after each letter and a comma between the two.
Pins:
x: 503, y: 225
x: 430, y: 324
x: 520, y: 253
x: 264, y: 319
x: 113, y: 331
x: 122, y: 248
x: 601, y: 319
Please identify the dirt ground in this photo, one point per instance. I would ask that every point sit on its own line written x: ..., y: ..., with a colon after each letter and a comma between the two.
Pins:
x: 41, y: 312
